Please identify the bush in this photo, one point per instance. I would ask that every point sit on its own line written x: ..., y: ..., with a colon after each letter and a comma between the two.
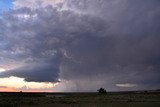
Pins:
x: 102, y: 91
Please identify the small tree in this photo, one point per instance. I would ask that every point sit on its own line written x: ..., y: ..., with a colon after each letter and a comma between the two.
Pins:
x: 102, y: 91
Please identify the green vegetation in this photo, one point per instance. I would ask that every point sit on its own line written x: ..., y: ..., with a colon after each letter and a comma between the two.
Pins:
x: 115, y: 99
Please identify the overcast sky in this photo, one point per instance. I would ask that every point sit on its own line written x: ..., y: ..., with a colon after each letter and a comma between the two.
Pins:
x: 80, y: 45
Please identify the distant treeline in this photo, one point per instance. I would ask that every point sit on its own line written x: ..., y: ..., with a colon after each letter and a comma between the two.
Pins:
x: 21, y: 94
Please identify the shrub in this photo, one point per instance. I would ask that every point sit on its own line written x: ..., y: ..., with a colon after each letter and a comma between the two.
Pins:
x: 102, y: 91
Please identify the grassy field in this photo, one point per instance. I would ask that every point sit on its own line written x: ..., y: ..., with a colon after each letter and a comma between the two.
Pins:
x: 114, y: 99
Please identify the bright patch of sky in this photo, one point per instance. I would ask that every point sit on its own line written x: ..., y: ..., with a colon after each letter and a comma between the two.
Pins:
x: 5, y: 5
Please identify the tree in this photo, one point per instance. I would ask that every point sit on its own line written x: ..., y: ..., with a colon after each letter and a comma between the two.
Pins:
x: 102, y: 91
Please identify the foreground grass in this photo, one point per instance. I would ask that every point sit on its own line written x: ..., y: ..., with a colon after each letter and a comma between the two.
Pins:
x: 148, y: 99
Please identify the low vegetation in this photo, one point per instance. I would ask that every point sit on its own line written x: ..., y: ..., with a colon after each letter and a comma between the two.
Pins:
x: 111, y: 99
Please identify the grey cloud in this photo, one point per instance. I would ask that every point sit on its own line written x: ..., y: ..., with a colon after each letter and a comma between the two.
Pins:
x: 100, y: 44
x: 3, y: 87
x: 35, y: 72
x: 39, y: 42
x: 128, y: 51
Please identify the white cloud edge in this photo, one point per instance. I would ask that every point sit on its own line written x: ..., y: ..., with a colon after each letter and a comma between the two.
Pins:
x: 126, y: 85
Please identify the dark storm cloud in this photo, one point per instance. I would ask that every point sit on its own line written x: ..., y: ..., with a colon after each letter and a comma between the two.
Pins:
x: 95, y: 43
x: 37, y: 73
x: 38, y: 38
x: 128, y: 51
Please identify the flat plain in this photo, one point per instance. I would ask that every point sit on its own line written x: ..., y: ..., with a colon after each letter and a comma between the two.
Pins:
x: 111, y: 99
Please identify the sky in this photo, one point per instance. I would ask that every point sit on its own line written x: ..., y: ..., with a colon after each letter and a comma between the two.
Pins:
x: 79, y: 45
x: 5, y: 5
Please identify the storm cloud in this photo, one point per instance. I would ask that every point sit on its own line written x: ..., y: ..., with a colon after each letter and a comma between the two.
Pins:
x: 89, y: 43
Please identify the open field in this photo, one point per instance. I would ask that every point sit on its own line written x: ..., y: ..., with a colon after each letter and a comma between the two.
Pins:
x: 112, y: 99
